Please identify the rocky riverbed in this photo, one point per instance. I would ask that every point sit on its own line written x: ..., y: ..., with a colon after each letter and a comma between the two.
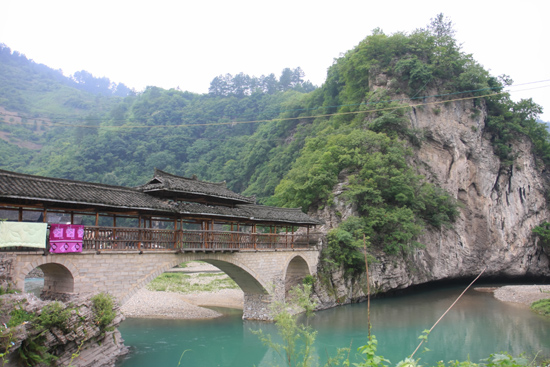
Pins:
x: 522, y: 294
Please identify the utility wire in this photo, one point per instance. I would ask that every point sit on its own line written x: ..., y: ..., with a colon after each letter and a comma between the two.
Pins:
x: 129, y: 127
x: 448, y: 309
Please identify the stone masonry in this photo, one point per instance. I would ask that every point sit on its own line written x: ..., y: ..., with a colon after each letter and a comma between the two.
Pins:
x: 262, y: 275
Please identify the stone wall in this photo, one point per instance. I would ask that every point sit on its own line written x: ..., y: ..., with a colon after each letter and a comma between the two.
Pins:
x: 6, y: 270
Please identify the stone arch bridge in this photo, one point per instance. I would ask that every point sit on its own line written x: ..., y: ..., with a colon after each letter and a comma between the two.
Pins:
x: 264, y: 276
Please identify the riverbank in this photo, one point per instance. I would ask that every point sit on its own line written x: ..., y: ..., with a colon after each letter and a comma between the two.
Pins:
x: 522, y: 294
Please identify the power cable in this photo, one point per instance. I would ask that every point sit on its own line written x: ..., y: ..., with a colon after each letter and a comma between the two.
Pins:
x: 129, y: 127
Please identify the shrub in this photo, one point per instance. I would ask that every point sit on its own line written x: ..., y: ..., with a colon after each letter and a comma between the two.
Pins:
x: 543, y: 232
x: 309, y: 280
x: 54, y: 315
x: 19, y: 316
x: 542, y: 307
x: 103, y: 307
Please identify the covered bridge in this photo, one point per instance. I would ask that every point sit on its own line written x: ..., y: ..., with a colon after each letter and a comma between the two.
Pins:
x: 169, y: 212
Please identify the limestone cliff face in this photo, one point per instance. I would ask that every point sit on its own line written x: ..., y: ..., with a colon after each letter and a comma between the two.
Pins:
x: 499, y: 208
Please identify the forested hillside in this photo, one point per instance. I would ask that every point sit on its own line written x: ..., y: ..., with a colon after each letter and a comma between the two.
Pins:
x: 81, y: 127
x: 280, y: 139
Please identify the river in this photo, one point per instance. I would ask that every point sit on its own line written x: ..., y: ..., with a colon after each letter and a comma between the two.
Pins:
x: 476, y: 326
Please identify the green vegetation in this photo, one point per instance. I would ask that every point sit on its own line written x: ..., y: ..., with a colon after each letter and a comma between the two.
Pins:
x: 542, y: 307
x: 103, y: 307
x: 395, y: 204
x: 296, y: 348
x: 32, y: 351
x: 54, y: 314
x: 543, y: 232
x: 18, y: 316
x: 184, y: 283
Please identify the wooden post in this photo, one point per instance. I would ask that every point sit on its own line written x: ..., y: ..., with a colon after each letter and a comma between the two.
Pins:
x: 139, y: 232
x: 212, y: 244
x: 205, y: 233
x: 238, y: 235
x: 150, y: 236
x: 98, y: 242
x: 115, y: 242
x: 286, y: 237
x: 175, y: 232
x: 20, y: 213
x: 254, y: 235
x: 232, y: 237
x: 292, y: 238
x: 72, y: 217
x: 45, y: 216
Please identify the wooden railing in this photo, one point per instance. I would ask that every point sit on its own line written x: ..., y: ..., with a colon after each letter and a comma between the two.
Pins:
x: 111, y: 238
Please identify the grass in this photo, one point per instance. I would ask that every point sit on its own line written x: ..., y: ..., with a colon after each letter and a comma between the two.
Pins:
x: 542, y: 307
x: 185, y: 283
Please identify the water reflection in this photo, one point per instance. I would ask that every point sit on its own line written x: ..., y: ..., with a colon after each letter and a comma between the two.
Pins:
x: 476, y: 326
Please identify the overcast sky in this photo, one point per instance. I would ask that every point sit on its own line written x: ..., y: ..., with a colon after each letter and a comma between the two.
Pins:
x: 185, y: 44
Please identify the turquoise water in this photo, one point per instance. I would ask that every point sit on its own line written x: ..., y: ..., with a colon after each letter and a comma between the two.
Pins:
x: 476, y: 326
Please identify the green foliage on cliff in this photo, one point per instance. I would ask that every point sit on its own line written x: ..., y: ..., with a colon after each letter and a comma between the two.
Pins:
x: 543, y: 232
x: 54, y: 314
x: 394, y: 202
x: 18, y: 316
x: 507, y: 120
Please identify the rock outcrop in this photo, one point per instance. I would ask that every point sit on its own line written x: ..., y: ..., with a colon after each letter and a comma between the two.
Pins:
x: 499, y: 207
x: 74, y: 337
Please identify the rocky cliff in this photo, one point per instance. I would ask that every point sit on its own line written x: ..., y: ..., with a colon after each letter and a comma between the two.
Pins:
x: 499, y: 207
x: 42, y: 333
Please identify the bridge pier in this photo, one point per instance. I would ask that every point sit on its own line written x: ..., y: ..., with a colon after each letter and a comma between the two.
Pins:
x: 257, y: 306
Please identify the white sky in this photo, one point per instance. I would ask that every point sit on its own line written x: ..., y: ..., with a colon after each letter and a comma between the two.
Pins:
x: 171, y: 43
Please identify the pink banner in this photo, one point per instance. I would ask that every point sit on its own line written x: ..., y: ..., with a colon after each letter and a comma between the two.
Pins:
x: 66, y: 238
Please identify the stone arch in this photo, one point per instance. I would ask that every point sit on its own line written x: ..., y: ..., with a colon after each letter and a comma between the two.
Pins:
x: 296, y: 270
x: 59, y: 276
x: 148, y: 278
x: 58, y: 281
x: 242, y: 276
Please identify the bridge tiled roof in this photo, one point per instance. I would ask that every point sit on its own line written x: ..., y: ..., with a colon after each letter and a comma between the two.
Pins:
x: 249, y: 212
x: 22, y: 189
x: 18, y: 187
x: 182, y: 188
